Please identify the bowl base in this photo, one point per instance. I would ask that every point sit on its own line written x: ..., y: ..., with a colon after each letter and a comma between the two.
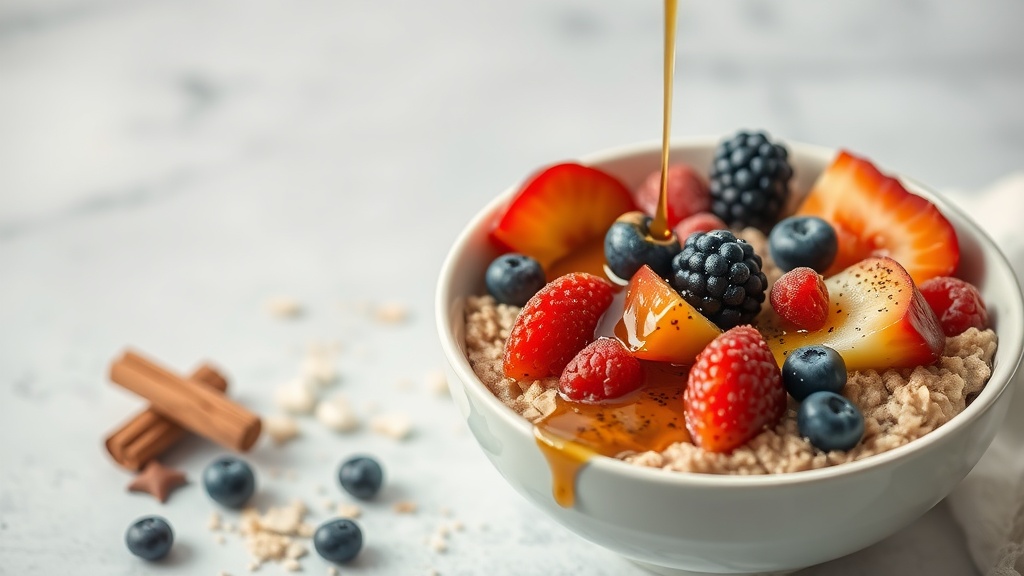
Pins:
x: 666, y: 571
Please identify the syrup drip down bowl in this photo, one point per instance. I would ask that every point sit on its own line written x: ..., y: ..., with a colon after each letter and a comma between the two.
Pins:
x: 689, y: 522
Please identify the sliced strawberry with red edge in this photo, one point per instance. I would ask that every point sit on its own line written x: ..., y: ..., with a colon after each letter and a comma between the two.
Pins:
x: 734, y: 391
x: 874, y: 215
x: 559, y: 210
x: 555, y: 325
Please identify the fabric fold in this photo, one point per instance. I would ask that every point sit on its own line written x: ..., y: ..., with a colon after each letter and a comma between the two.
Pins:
x: 989, y: 503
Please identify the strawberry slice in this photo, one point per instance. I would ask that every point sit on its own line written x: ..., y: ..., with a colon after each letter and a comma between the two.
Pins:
x: 874, y: 215
x: 555, y: 325
x: 560, y: 210
x: 734, y: 391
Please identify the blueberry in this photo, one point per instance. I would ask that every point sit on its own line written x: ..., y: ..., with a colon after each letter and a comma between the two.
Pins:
x: 830, y: 421
x: 149, y: 537
x: 229, y: 481
x: 813, y: 369
x: 361, y: 476
x: 803, y: 241
x: 628, y: 246
x: 338, y: 540
x: 514, y: 279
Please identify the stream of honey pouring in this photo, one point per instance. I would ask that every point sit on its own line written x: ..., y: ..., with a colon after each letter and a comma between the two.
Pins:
x: 652, y: 417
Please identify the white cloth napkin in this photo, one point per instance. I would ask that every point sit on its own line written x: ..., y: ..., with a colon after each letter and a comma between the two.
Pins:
x: 989, y: 504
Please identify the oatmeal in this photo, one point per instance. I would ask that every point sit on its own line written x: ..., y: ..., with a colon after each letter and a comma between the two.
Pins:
x: 898, y: 405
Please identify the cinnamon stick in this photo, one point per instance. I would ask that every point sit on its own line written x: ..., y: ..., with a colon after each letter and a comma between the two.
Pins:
x: 188, y: 403
x: 148, y: 434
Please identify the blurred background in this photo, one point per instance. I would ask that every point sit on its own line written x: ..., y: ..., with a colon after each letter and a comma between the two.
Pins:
x: 165, y: 166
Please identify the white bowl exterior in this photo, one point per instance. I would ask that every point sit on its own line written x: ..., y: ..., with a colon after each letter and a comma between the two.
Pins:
x: 736, y: 525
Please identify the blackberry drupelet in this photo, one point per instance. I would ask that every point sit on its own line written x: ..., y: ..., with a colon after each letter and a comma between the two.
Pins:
x: 750, y: 181
x: 721, y: 277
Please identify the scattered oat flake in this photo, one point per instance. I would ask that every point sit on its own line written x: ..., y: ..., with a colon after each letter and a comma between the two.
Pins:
x: 438, y: 544
x: 442, y: 530
x: 396, y: 426
x: 349, y: 511
x: 295, y: 550
x: 213, y: 524
x: 319, y: 369
x: 437, y: 382
x: 291, y: 565
x: 283, y: 307
x: 432, y: 572
x: 391, y: 313
x: 295, y: 397
x: 254, y: 565
x: 332, y: 571
x: 223, y: 573
x: 270, y: 536
x: 405, y: 507
x: 267, y: 545
x: 305, y: 530
x: 283, y: 519
x: 445, y: 511
x: 457, y: 525
x: 218, y: 539
x: 336, y: 414
x: 327, y: 505
x: 229, y: 527
x: 250, y: 522
x: 280, y: 429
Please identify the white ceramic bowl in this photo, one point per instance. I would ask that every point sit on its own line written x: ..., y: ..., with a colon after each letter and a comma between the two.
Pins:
x: 733, y: 524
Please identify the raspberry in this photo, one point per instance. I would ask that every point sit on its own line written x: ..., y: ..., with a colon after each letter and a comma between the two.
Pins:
x: 700, y: 222
x: 733, y: 392
x: 957, y: 303
x: 801, y: 298
x: 687, y: 194
x: 601, y: 371
x: 555, y: 324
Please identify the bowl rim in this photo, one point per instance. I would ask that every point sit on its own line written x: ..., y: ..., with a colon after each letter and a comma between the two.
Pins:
x: 981, y: 404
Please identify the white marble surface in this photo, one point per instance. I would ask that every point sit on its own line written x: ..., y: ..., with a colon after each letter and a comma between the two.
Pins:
x: 165, y: 166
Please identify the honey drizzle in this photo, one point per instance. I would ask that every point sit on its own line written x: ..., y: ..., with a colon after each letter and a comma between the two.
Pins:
x: 565, y: 458
x: 650, y: 419
x: 659, y: 227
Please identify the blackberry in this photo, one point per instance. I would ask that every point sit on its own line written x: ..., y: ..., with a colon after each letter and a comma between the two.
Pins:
x: 750, y: 181
x: 721, y: 277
